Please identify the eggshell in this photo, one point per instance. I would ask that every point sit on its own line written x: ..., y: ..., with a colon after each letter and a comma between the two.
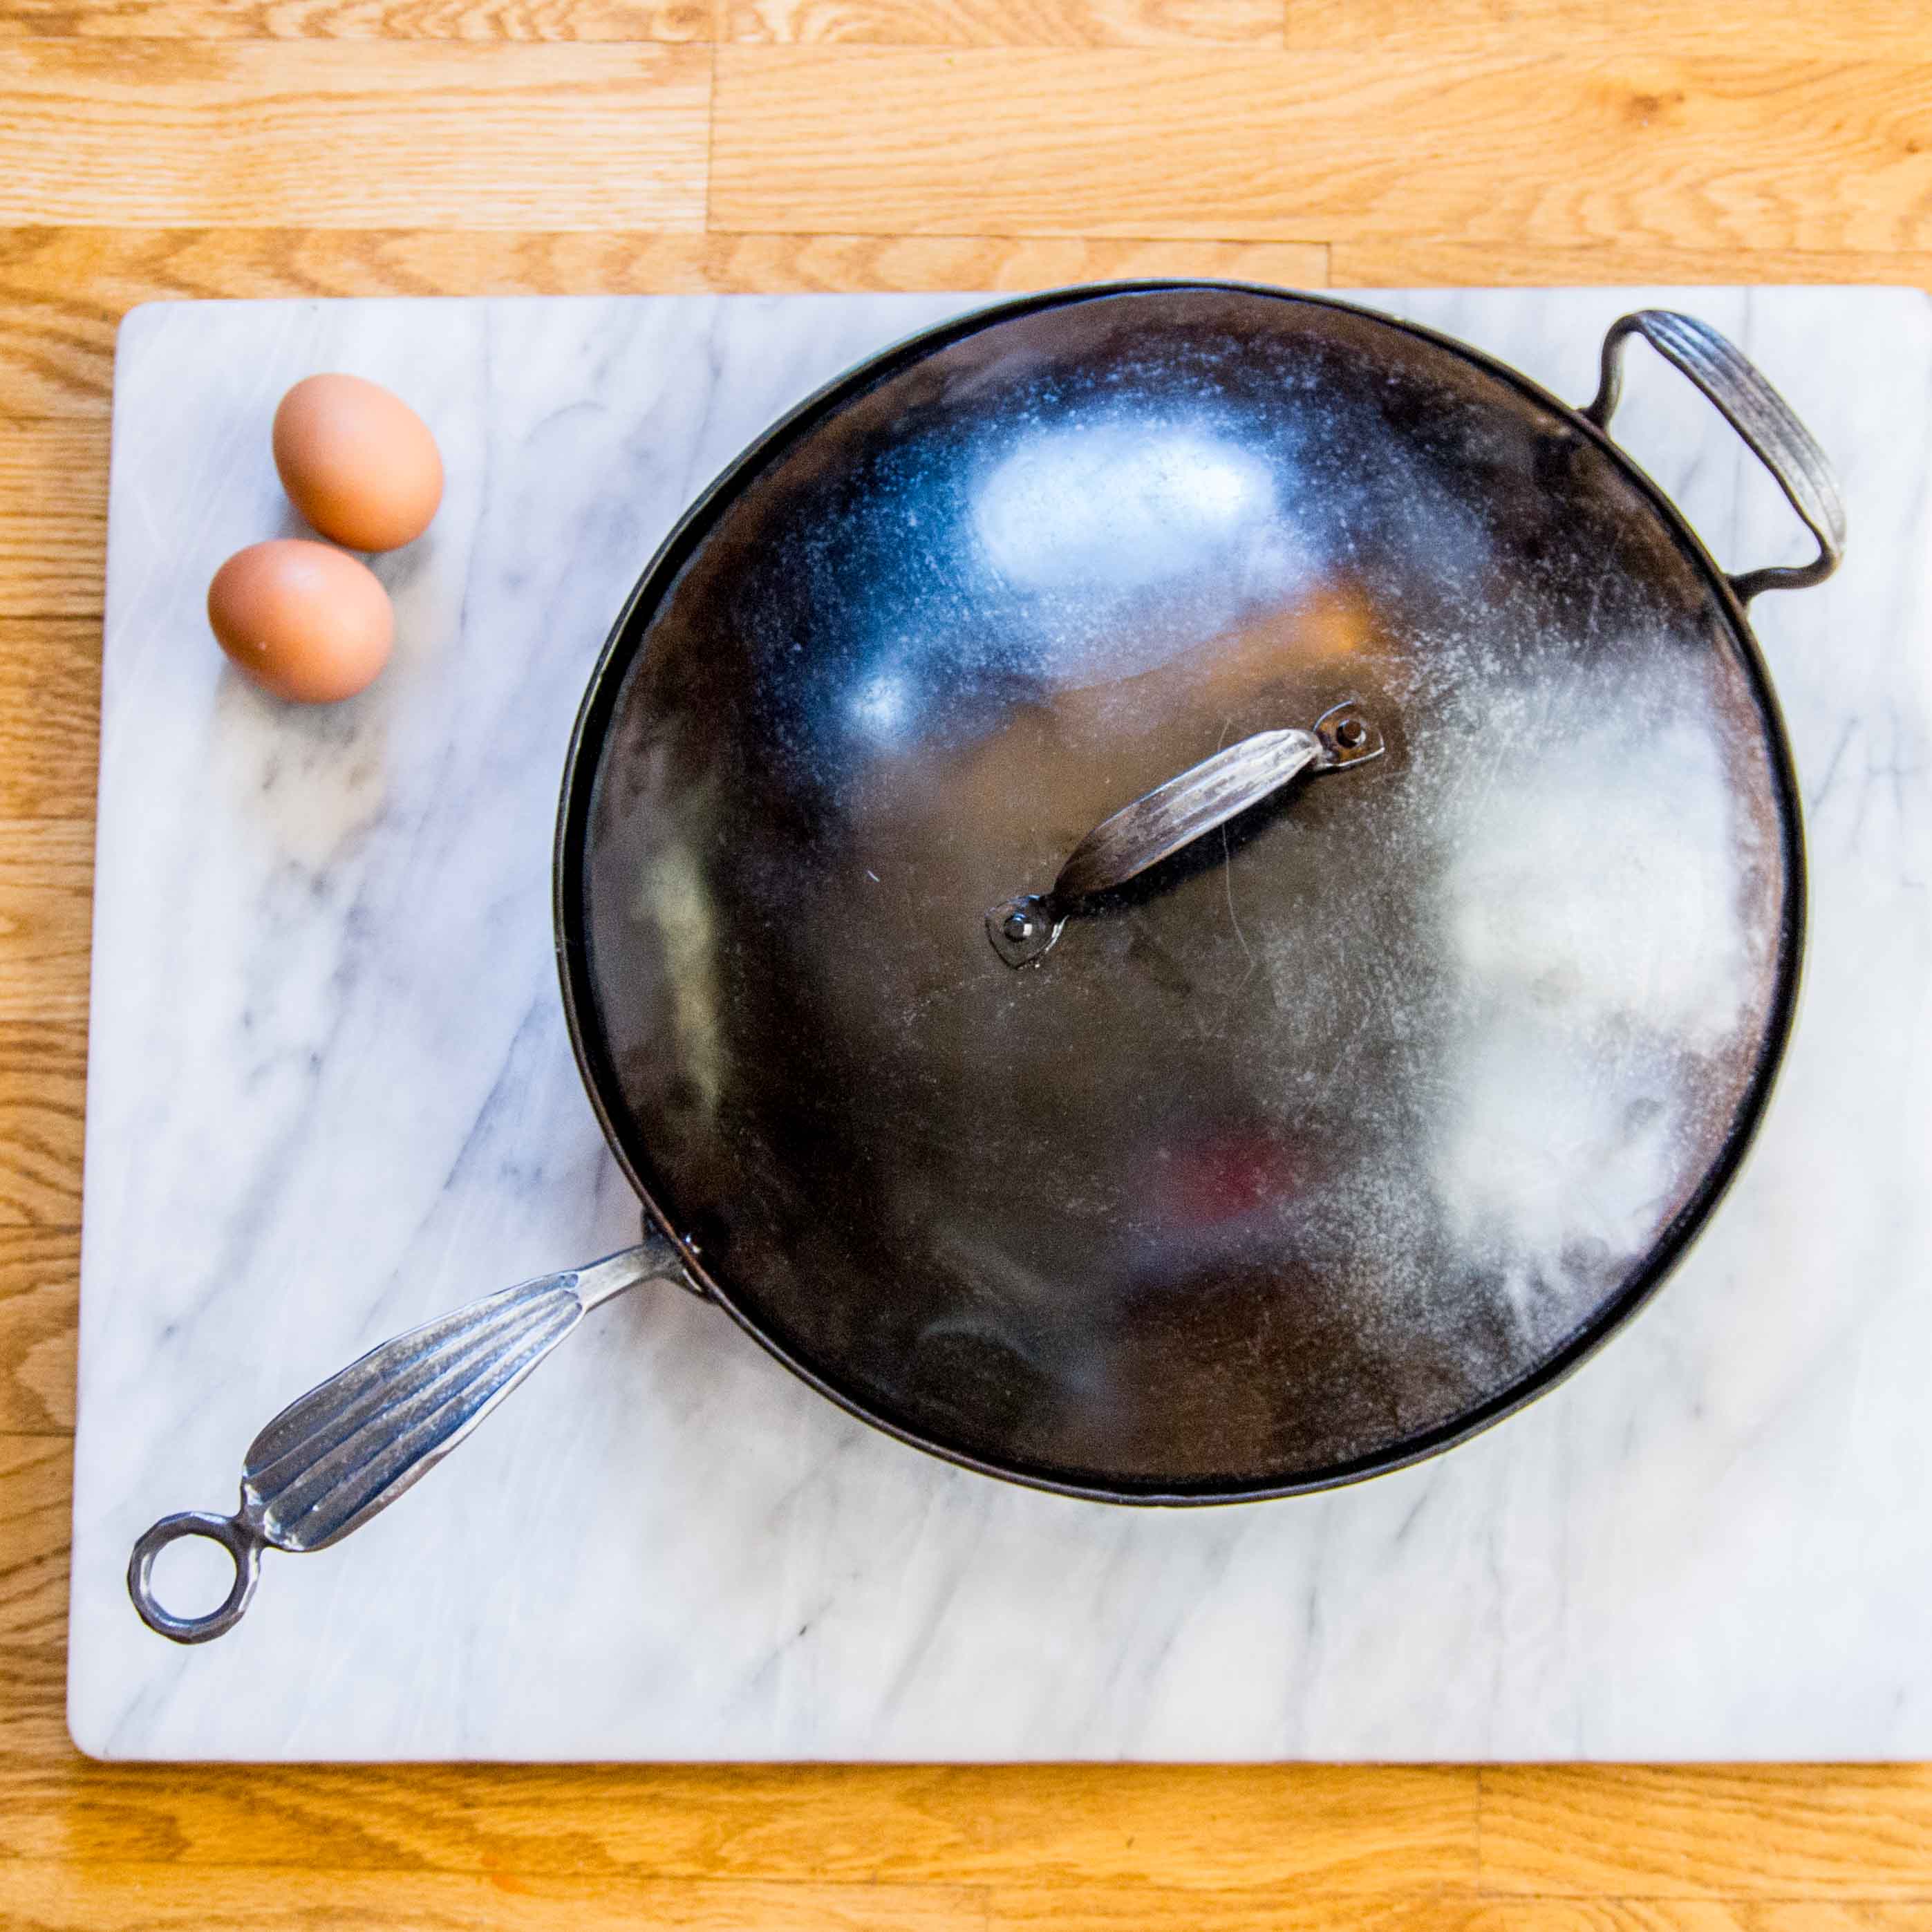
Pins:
x: 303, y: 621
x: 357, y: 462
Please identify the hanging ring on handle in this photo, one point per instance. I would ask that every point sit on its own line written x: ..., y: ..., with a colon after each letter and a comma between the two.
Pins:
x: 240, y: 1539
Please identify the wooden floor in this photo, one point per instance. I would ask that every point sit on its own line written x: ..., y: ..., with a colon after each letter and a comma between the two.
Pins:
x: 154, y: 147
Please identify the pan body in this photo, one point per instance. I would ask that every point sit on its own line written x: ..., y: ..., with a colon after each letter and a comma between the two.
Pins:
x: 1325, y: 1143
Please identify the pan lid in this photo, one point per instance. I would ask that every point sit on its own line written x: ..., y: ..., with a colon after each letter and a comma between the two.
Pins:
x: 1295, y: 1119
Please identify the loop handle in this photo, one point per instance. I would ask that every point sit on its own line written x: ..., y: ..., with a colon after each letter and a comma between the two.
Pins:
x: 1759, y: 414
x: 1159, y: 823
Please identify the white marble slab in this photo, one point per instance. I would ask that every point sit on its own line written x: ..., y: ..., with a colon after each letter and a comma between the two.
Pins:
x: 330, y: 1095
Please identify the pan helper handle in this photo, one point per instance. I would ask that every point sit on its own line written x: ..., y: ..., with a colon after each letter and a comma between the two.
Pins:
x: 1173, y: 815
x: 1766, y: 421
x: 346, y: 1450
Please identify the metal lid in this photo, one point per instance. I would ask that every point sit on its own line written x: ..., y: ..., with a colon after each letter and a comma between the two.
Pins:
x: 1324, y: 1140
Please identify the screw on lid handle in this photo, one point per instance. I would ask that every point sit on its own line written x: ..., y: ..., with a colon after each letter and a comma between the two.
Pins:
x: 1163, y: 822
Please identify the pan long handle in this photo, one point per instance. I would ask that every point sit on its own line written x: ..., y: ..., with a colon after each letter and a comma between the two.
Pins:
x: 1161, y: 822
x: 1758, y: 413
x: 337, y: 1455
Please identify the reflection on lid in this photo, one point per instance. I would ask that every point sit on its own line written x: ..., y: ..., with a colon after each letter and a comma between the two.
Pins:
x: 1121, y: 507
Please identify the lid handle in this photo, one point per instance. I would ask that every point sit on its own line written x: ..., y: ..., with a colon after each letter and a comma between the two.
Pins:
x: 346, y: 1450
x: 1758, y: 413
x: 1160, y: 823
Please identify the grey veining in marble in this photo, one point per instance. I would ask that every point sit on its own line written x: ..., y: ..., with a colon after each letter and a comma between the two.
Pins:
x: 330, y: 1095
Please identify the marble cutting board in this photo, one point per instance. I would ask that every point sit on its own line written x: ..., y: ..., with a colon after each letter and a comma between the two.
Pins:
x: 330, y: 1095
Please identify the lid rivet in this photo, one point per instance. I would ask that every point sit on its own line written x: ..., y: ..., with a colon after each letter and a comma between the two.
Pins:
x: 1017, y: 925
x: 1350, y: 733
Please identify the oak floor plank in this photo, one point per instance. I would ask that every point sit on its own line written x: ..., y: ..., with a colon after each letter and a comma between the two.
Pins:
x: 42, y: 1896
x: 38, y: 1895
x: 1829, y: 29
x: 40, y: 1304
x: 1497, y: 149
x: 1399, y: 262
x: 1776, y: 1831
x: 53, y: 518
x: 49, y: 716
x: 358, y: 19
x: 353, y: 133
x: 63, y: 291
x: 1343, y: 1831
x: 1003, y: 23
x: 36, y: 1486
x: 43, y: 1080
x: 46, y: 909
x: 116, y: 1900
x: 1163, y: 1909
x: 33, y: 1712
x: 1152, y: 1909
x: 1359, y: 1832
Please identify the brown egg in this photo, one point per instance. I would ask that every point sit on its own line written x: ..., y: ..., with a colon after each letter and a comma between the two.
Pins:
x: 303, y: 620
x: 358, y: 463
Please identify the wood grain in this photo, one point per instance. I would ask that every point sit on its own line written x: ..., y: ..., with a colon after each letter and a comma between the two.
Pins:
x: 64, y: 291
x: 44, y: 1897
x: 43, y: 1076
x: 144, y: 1814
x: 359, y: 19
x: 1141, y: 1908
x: 46, y: 907
x: 49, y: 716
x: 1824, y: 29
x: 1401, y: 262
x: 1345, y: 1835
x: 1345, y: 1832
x: 1769, y: 1830
x: 1003, y: 23
x: 40, y: 1304
x: 36, y: 1480
x: 53, y: 518
x: 33, y: 1710
x: 352, y: 133
x: 1325, y: 146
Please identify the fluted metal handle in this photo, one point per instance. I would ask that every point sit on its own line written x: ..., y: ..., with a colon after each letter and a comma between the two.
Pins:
x: 1758, y: 413
x: 1162, y: 822
x: 337, y: 1455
